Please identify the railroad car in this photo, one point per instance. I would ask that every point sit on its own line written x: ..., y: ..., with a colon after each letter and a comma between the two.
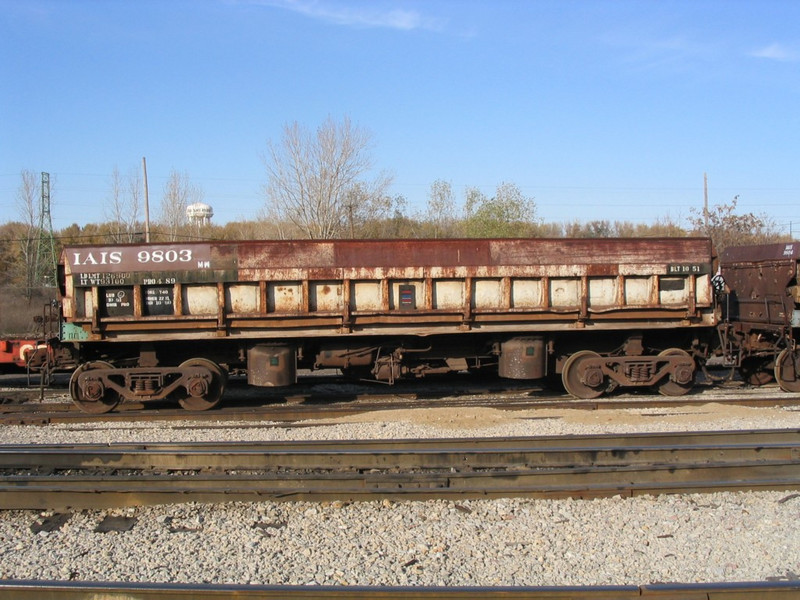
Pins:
x: 761, y: 313
x: 155, y: 321
x: 16, y: 353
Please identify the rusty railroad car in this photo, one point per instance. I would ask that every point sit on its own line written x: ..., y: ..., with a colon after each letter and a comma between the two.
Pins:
x: 153, y: 321
x: 761, y: 313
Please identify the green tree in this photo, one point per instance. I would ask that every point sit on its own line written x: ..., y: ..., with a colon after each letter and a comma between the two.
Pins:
x: 13, y: 271
x: 509, y: 213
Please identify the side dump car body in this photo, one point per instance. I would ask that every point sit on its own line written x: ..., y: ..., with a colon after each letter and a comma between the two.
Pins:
x: 154, y: 321
x: 274, y: 290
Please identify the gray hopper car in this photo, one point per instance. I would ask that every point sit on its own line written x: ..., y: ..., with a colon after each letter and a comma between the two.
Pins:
x: 152, y: 321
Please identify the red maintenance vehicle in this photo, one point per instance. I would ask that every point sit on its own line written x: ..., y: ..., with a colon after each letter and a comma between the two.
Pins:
x: 16, y: 352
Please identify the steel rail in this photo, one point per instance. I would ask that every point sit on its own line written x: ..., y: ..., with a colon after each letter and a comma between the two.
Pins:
x: 291, y: 407
x: 458, y: 454
x: 55, y: 590
x: 98, y: 492
x: 626, y: 440
x: 105, y: 476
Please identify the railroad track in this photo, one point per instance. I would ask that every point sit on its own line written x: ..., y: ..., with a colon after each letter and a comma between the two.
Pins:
x: 305, y: 404
x: 99, y: 476
x: 24, y: 590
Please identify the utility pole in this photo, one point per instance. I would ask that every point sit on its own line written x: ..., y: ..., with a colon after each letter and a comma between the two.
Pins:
x: 46, y: 246
x: 705, y: 202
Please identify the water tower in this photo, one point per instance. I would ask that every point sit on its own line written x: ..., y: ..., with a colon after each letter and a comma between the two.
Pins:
x: 199, y: 213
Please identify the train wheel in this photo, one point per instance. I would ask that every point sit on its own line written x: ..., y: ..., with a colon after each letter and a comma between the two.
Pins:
x: 203, y: 394
x: 673, y: 388
x: 92, y: 396
x: 580, y: 379
x: 753, y: 371
x: 787, y: 370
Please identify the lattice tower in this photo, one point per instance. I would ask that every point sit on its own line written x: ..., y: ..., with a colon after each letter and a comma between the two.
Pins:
x: 46, y: 246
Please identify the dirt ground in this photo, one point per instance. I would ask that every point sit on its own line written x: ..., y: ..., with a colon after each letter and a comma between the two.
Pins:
x: 473, y: 418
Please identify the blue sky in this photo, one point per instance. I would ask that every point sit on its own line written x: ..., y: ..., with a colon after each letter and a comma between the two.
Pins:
x: 598, y: 110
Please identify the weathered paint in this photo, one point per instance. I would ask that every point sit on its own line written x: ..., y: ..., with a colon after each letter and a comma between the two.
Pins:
x: 199, y: 300
x: 276, y: 288
x: 326, y: 296
x: 242, y: 298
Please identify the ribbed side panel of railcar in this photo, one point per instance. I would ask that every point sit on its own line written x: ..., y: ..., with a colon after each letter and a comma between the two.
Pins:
x: 300, y: 289
x: 762, y: 281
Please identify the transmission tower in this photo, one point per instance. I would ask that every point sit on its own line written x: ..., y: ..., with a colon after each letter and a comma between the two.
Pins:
x: 46, y: 247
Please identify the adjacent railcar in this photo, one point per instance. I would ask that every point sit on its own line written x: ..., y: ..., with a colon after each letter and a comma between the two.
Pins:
x: 761, y: 313
x: 153, y: 321
x: 16, y: 353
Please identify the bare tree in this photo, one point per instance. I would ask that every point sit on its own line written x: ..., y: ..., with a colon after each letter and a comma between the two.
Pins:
x: 28, y: 207
x: 122, y: 208
x: 135, y: 199
x: 591, y: 229
x: 726, y: 228
x: 441, y: 208
x: 179, y: 192
x: 316, y: 181
x: 368, y: 209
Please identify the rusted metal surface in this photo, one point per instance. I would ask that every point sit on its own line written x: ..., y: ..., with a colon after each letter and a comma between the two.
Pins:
x: 97, y: 387
x: 316, y: 300
x: 270, y: 288
x: 271, y: 366
x: 761, y: 312
x: 523, y: 358
x: 587, y: 374
x: 759, y: 279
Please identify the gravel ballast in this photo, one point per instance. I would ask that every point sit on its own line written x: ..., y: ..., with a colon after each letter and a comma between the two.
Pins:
x: 722, y: 537
x: 694, y: 538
